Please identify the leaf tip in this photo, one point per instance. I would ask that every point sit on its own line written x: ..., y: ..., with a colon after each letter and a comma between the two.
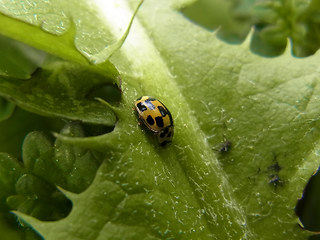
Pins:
x: 288, y: 49
x: 113, y: 108
x: 216, y: 31
x: 28, y: 220
x: 246, y: 43
x: 72, y: 196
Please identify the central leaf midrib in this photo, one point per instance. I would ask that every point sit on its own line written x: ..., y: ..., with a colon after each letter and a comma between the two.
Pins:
x: 172, y: 91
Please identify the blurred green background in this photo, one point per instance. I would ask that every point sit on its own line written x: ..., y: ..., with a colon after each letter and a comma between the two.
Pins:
x: 273, y: 23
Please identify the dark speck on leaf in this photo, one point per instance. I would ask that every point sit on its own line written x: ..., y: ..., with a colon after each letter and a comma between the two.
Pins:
x: 275, y: 180
x: 275, y: 167
x: 225, y: 147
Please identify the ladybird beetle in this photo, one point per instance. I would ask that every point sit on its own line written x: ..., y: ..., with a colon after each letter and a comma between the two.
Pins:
x: 156, y: 117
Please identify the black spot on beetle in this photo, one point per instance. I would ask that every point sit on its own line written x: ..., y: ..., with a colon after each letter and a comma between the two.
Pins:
x: 149, y: 104
x: 164, y: 143
x: 166, y: 130
x: 163, y: 111
x: 150, y: 120
x: 151, y: 99
x: 164, y: 133
x: 159, y: 121
x: 141, y: 107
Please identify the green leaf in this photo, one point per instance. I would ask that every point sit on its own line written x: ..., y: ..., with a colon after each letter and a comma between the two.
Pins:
x: 14, y: 129
x: 60, y: 89
x: 38, y: 198
x: 10, y: 170
x: 230, y: 17
x: 68, y: 166
x: 267, y: 108
x: 274, y: 21
x: 6, y: 109
x: 23, y: 191
x: 29, y: 187
x: 18, y: 60
x: 64, y: 34
x: 10, y: 231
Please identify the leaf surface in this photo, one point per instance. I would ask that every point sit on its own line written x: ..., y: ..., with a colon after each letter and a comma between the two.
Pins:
x: 267, y: 108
